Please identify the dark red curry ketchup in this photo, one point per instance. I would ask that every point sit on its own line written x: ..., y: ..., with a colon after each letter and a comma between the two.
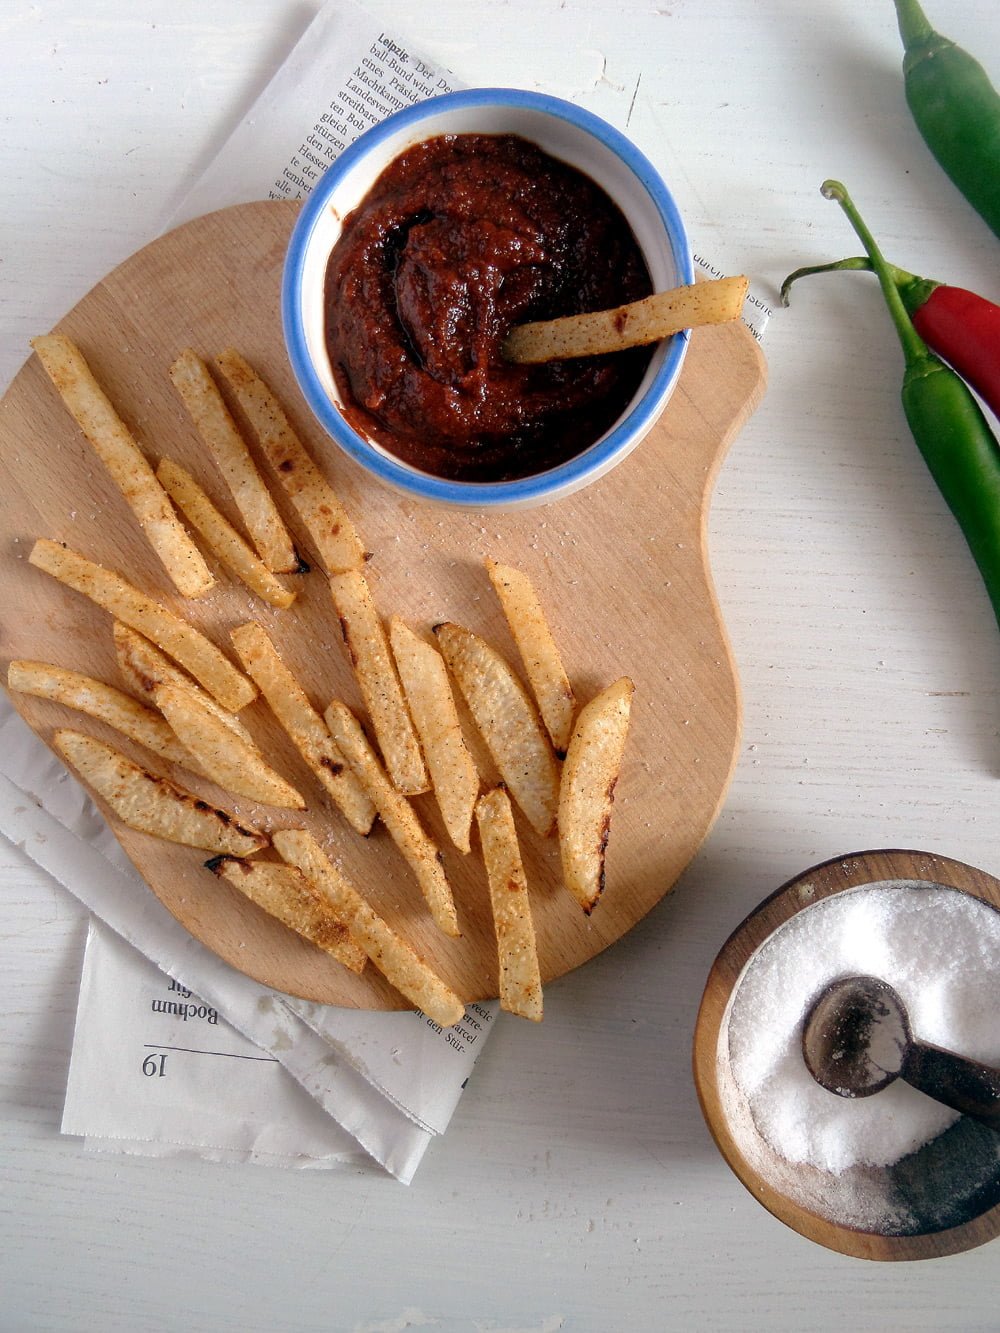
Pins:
x: 461, y: 238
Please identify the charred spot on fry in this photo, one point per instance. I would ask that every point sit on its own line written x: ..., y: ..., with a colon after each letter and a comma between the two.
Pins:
x: 590, y: 773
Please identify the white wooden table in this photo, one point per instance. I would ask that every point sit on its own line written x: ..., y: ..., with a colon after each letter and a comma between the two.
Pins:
x: 577, y: 1187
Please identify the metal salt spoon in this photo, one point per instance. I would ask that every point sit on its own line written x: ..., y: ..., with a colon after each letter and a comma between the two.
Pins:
x: 856, y: 1040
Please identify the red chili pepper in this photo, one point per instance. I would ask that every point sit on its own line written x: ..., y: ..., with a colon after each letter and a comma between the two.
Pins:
x: 963, y: 328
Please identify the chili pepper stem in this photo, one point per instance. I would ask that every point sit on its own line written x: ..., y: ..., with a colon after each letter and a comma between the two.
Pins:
x: 914, y: 290
x: 914, y: 26
x: 857, y: 262
x: 914, y: 347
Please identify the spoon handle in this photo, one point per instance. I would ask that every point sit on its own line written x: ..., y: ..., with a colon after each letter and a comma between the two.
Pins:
x: 965, y: 1085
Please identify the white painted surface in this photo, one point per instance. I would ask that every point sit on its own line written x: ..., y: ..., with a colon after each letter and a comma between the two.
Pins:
x: 577, y: 1187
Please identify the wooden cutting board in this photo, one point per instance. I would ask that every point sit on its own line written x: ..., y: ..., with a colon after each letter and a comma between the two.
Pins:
x: 621, y: 569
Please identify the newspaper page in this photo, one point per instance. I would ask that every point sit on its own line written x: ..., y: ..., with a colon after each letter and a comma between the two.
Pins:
x: 345, y: 75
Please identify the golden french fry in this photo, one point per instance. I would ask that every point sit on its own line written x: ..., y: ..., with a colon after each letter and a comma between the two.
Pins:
x: 506, y: 717
x: 228, y: 759
x: 151, y: 804
x: 398, y: 815
x: 169, y: 632
x: 376, y: 675
x: 144, y: 667
x: 220, y: 536
x: 520, y: 979
x: 114, y: 444
x: 103, y: 702
x: 200, y: 395
x: 393, y: 957
x: 315, y: 500
x: 593, y: 762
x: 285, y: 893
x: 542, y: 663
x: 632, y: 325
x: 306, y: 729
x: 453, y: 772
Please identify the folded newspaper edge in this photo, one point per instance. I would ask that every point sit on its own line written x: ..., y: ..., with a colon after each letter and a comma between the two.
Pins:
x: 38, y: 797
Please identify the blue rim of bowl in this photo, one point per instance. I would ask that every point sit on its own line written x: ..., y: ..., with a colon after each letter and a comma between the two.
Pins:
x: 567, y: 476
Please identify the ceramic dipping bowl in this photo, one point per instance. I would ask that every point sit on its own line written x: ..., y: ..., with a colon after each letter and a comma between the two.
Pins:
x: 562, y: 130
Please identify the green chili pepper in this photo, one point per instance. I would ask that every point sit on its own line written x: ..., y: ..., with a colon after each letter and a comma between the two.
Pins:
x: 945, y: 420
x: 956, y: 108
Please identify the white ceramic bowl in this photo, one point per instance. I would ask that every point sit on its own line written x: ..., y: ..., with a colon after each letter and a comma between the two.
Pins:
x: 565, y: 132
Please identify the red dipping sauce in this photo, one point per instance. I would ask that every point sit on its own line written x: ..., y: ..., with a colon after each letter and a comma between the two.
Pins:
x: 461, y: 238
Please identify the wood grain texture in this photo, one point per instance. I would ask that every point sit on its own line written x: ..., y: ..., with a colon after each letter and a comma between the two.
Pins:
x: 621, y: 569
x: 782, y: 1186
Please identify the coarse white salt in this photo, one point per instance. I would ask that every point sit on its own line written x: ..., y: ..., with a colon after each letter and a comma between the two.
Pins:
x: 938, y: 947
